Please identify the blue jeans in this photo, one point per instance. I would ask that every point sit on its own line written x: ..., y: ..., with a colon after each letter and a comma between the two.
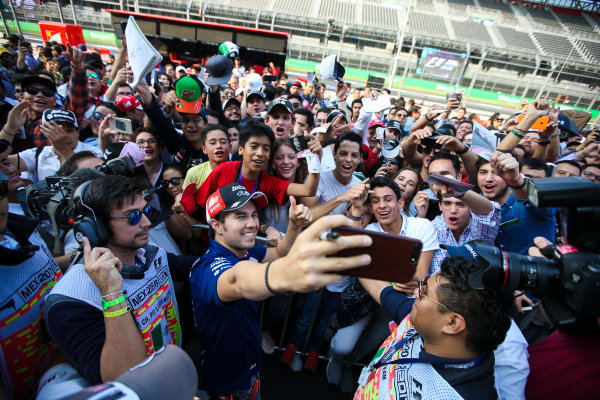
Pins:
x: 330, y: 304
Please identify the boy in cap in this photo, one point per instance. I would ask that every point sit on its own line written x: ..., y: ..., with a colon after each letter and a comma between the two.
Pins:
x: 255, y: 104
x: 60, y: 127
x: 231, y: 271
x: 280, y: 117
x: 132, y: 108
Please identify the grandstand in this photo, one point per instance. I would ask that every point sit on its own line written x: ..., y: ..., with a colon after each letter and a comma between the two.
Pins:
x: 532, y: 43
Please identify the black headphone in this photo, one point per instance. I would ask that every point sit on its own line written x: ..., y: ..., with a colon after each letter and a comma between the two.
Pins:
x: 86, y: 225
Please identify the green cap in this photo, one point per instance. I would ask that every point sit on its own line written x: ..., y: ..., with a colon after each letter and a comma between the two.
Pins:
x: 189, y: 91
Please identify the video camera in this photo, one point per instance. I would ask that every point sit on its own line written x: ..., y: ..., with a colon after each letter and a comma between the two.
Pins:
x: 568, y: 282
x: 50, y: 198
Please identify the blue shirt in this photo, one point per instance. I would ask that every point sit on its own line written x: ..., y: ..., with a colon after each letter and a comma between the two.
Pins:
x: 521, y: 222
x: 230, y: 332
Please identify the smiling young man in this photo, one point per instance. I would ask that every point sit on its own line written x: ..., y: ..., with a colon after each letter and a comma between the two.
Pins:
x: 501, y: 181
x: 280, y: 117
x: 333, y: 191
x: 255, y: 144
x: 228, y: 323
x: 255, y: 104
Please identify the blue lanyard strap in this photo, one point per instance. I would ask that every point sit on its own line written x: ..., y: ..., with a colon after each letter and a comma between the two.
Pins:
x: 240, y: 178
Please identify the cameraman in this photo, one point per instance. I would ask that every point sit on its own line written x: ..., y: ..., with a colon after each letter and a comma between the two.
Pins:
x: 27, y: 272
x: 60, y: 127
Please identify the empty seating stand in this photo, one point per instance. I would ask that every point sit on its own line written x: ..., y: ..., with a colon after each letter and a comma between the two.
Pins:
x: 593, y: 48
x: 558, y: 46
x: 473, y: 32
x: 427, y: 24
x: 516, y: 39
x: 342, y: 12
x: 378, y: 16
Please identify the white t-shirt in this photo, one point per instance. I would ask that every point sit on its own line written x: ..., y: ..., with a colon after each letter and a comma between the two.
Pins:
x: 416, y: 228
x: 48, y: 163
x: 329, y: 188
x: 511, y: 367
x: 160, y: 236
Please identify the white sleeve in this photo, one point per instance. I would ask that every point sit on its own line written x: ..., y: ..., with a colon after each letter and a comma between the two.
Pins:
x: 28, y: 157
x: 511, y: 368
x: 428, y: 235
x: 362, y: 124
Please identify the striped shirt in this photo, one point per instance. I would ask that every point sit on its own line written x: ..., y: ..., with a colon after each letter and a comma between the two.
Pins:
x: 481, y: 227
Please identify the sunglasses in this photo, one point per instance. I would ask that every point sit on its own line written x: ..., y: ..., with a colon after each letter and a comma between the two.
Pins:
x: 97, y: 116
x: 172, y: 181
x: 136, y: 216
x: 295, y: 105
x: 34, y: 90
x: 3, y: 189
x: 95, y: 76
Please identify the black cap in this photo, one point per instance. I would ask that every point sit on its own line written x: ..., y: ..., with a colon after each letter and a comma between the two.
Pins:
x: 31, y: 79
x: 393, y: 124
x: 255, y: 93
x: 220, y: 69
x: 59, y: 115
x: 234, y: 100
x: 280, y: 101
x: 334, y: 113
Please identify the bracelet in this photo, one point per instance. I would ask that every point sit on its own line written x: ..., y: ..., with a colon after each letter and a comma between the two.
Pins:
x: 9, y: 134
x: 517, y: 134
x: 73, y: 255
x: 463, y: 151
x: 520, y: 186
x: 110, y: 314
x: 112, y: 294
x: 107, y: 304
x: 263, y: 229
x: 274, y: 293
x: 428, y: 118
x: 353, y: 218
x: 544, y: 142
x: 515, y: 181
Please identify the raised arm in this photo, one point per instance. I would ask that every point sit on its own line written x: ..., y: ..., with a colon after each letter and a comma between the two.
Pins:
x: 535, y: 110
x: 305, y: 268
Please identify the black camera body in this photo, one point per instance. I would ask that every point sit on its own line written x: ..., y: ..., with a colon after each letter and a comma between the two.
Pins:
x: 568, y: 281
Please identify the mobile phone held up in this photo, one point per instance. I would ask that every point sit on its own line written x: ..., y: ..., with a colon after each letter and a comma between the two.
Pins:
x: 394, y: 258
x: 121, y: 125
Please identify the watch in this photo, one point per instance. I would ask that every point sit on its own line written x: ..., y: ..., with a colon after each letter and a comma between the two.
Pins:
x: 463, y: 151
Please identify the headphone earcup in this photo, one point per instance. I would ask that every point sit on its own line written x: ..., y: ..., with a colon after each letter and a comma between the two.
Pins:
x: 92, y: 229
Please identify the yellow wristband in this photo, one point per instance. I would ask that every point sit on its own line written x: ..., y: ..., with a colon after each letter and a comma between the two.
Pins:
x: 122, y: 311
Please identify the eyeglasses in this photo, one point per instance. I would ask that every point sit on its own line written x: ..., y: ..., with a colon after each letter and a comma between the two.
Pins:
x: 142, y: 142
x: 591, y: 176
x: 136, y: 216
x: 423, y: 293
x: 32, y: 90
x: 233, y: 108
x: 295, y: 105
x: 97, y: 116
x: 3, y: 189
x: 95, y: 76
x: 173, y: 181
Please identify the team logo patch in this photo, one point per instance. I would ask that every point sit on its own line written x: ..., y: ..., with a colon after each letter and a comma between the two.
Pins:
x: 187, y: 93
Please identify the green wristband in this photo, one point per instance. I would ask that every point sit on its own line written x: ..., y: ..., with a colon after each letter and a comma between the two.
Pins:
x: 517, y: 134
x: 107, y: 304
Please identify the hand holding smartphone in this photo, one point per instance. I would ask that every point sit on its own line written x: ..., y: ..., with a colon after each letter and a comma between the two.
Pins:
x: 394, y: 258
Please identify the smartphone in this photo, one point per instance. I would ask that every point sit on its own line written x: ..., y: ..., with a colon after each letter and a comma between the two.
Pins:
x: 269, y: 78
x: 121, y: 125
x: 379, y: 132
x: 541, y: 123
x: 300, y: 143
x: 394, y: 258
x: 457, y: 95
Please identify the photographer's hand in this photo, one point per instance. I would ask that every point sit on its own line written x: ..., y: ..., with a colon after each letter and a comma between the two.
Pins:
x: 103, y: 268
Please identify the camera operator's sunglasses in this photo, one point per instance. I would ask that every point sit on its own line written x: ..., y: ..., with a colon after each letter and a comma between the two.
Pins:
x: 34, y: 90
x: 95, y: 76
x: 3, y: 189
x: 136, y: 216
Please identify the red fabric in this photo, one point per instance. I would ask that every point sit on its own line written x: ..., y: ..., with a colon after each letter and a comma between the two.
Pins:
x: 224, y: 174
x: 564, y: 366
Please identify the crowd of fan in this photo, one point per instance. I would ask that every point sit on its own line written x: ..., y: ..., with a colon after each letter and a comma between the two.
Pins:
x: 197, y: 134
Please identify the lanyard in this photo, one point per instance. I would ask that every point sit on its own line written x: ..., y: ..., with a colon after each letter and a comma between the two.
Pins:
x: 239, y: 178
x: 424, y: 358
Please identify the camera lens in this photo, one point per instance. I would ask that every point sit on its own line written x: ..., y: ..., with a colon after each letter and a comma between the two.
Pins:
x: 513, y: 271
